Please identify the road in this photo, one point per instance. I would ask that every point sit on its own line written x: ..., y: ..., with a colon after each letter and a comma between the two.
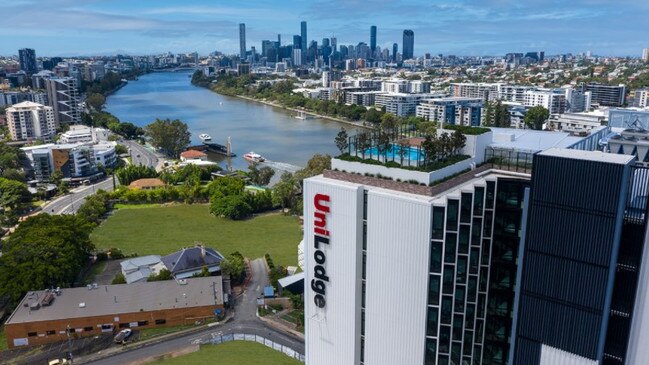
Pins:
x: 69, y: 204
x: 245, y: 321
x: 141, y: 155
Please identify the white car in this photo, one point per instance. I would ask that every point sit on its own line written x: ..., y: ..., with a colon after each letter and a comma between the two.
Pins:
x: 123, y: 335
x: 58, y: 362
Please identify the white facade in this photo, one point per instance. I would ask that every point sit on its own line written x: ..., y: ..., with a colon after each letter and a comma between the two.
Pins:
x: 400, y: 104
x: 29, y: 121
x: 384, y: 292
x: 554, y: 102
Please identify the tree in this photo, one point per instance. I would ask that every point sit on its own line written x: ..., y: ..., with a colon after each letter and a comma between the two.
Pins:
x: 428, y: 128
x: 119, y: 279
x: 45, y: 251
x: 164, y: 274
x: 431, y: 148
x: 96, y: 101
x: 488, y: 114
x: 171, y: 136
x: 404, y: 147
x: 342, y: 140
x: 14, y: 195
x: 363, y: 143
x: 225, y: 186
x: 260, y: 176
x: 383, y: 144
x: 128, y: 174
x: 372, y: 116
x: 285, y: 191
x: 458, y: 141
x: 389, y: 122
x: 232, y: 207
x: 235, y: 266
x: 536, y: 116
x: 315, y: 166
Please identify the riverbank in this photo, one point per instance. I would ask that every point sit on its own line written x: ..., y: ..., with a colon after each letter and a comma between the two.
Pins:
x: 297, y: 110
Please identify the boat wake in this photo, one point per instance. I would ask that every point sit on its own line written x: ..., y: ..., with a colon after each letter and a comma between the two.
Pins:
x: 283, y: 166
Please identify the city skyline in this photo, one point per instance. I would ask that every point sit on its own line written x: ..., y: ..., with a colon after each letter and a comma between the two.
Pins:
x: 68, y: 28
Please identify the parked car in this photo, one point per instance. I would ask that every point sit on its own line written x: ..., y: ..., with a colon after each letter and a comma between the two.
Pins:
x: 58, y: 362
x: 123, y: 335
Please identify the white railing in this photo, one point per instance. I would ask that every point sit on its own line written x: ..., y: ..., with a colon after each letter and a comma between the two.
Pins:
x: 221, y: 338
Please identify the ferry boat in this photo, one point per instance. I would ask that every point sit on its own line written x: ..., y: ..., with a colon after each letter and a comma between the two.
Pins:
x: 205, y: 137
x: 253, y: 157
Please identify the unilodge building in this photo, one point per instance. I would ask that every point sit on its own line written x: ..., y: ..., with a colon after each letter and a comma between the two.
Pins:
x: 50, y: 316
x: 533, y: 266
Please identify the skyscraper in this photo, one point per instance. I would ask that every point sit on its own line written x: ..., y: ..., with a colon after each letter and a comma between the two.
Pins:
x: 395, y: 50
x: 242, y: 41
x: 408, y: 44
x: 373, y: 40
x: 304, y: 42
x: 27, y: 60
x: 645, y: 54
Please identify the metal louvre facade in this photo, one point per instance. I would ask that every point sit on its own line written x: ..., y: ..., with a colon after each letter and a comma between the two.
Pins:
x: 573, y: 236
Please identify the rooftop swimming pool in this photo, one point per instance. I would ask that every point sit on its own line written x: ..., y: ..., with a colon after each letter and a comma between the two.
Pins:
x: 394, y: 153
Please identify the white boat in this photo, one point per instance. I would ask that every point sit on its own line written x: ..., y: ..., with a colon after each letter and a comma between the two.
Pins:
x: 302, y: 115
x: 205, y: 137
x: 253, y: 157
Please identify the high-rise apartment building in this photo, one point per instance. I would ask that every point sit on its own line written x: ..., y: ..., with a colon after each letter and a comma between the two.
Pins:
x: 29, y: 121
x: 305, y: 42
x: 490, y: 268
x: 645, y: 54
x: 373, y: 40
x: 242, y: 41
x: 27, y: 58
x: 408, y: 44
x: 583, y: 281
x: 63, y: 96
x: 431, y: 274
x: 642, y: 98
x: 395, y: 50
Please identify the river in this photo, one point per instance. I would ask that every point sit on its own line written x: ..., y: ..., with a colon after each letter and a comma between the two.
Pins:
x: 287, y: 142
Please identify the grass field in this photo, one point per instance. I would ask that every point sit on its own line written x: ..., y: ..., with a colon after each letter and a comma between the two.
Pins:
x: 164, y: 229
x: 233, y: 353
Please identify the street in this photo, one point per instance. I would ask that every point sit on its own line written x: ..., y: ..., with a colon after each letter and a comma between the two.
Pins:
x: 245, y: 321
x: 141, y: 155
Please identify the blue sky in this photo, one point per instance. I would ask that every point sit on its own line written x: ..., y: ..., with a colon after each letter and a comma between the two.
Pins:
x: 461, y: 27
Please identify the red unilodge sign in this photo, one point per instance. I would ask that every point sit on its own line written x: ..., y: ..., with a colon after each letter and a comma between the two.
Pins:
x: 320, y: 238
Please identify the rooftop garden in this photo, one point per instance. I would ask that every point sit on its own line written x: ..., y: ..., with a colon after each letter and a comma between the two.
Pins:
x: 407, y: 146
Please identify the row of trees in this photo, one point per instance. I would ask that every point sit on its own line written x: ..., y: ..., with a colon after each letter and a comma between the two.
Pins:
x: 170, y: 136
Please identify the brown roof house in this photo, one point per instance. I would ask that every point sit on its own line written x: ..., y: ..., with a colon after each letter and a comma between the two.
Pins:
x: 147, y: 184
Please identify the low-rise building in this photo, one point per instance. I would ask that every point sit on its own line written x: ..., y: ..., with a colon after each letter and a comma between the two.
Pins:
x: 76, y: 161
x: 84, y: 134
x: 138, y: 269
x: 642, y: 98
x: 193, y: 155
x: 578, y: 122
x: 189, y: 261
x: 47, y: 316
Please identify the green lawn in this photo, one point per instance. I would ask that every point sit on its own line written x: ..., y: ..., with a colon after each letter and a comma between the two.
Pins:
x: 147, y: 333
x: 233, y: 353
x: 3, y: 339
x: 164, y: 229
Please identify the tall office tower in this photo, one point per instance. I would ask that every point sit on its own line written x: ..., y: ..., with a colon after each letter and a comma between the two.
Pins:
x: 395, y: 49
x: 373, y: 40
x: 304, y: 42
x: 408, y: 44
x: 334, y: 44
x: 28, y: 60
x: 584, y: 265
x: 279, y: 41
x: 242, y: 41
x: 28, y: 121
x: 645, y: 54
x: 62, y: 93
x: 297, y: 42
